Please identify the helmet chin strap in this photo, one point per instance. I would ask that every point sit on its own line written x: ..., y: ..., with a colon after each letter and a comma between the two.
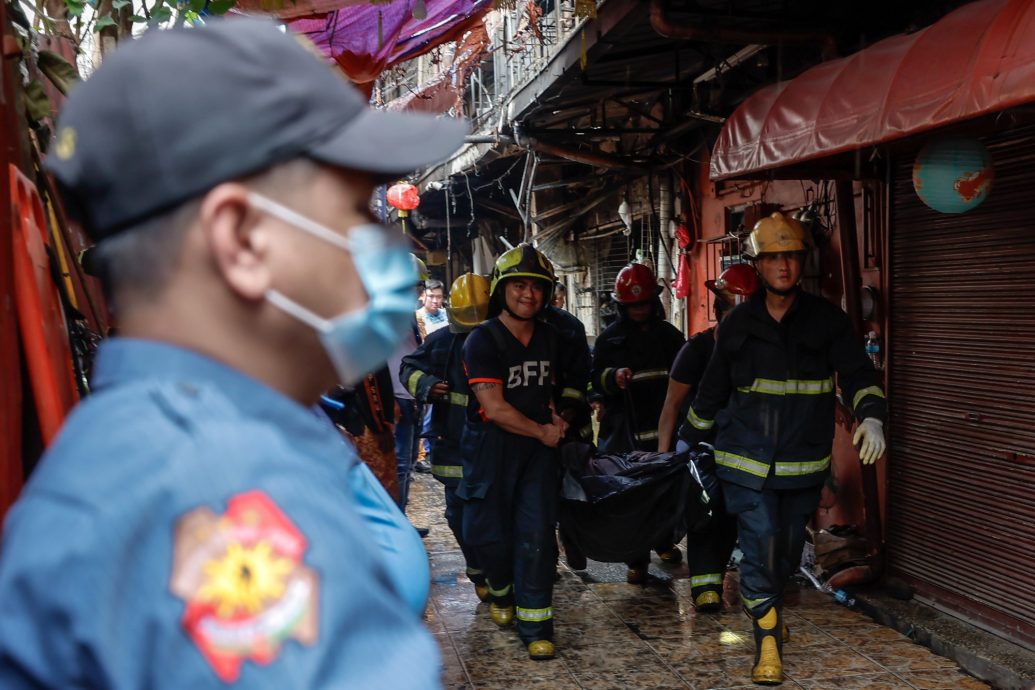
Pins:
x: 519, y: 318
x: 782, y: 293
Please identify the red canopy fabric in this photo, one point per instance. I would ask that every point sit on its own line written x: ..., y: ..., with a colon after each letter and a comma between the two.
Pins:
x: 976, y: 60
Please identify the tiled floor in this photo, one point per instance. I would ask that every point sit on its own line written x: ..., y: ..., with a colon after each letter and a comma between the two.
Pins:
x: 613, y: 635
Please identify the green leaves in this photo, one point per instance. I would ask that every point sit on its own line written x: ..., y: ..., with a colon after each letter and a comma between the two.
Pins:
x: 221, y: 6
x: 161, y: 14
x: 102, y: 22
x: 75, y: 7
x: 36, y: 102
x: 58, y: 70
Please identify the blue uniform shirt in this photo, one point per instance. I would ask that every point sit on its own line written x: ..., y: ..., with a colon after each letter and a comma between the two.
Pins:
x: 192, y: 528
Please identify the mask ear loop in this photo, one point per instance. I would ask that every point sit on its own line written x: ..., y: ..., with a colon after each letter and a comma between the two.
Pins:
x: 299, y: 221
x: 296, y: 310
x: 315, y: 229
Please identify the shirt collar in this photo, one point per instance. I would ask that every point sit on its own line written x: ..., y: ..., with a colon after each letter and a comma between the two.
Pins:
x: 760, y: 310
x: 121, y: 361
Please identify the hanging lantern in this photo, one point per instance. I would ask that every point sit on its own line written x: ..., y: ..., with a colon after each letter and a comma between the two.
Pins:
x: 403, y: 197
x: 953, y: 175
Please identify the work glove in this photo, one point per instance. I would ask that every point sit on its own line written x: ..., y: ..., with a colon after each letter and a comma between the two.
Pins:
x: 869, y: 437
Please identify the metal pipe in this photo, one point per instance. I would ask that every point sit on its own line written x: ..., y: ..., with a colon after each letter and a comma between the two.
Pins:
x: 594, y: 159
x: 572, y: 205
x: 530, y: 198
x: 665, y: 241
x: 488, y: 139
x: 449, y: 243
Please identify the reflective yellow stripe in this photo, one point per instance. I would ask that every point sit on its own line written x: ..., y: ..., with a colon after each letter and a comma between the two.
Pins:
x: 534, y: 615
x: 411, y: 383
x: 499, y: 592
x: 790, y: 387
x: 698, y: 423
x: 447, y: 470
x: 473, y: 571
x: 573, y: 393
x: 752, y: 603
x: 457, y: 399
x: 647, y: 435
x: 799, y: 469
x: 871, y: 390
x: 709, y: 579
x: 739, y: 462
x: 603, y: 378
x: 650, y: 374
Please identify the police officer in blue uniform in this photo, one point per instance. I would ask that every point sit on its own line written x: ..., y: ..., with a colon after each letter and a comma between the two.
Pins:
x: 196, y: 524
x: 510, y: 467
x: 768, y: 392
x: 434, y: 374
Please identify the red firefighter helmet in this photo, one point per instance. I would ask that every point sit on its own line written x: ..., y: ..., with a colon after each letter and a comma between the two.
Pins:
x: 735, y: 284
x: 635, y: 283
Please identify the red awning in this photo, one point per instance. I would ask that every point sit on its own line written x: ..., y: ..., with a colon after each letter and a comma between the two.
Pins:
x: 976, y: 60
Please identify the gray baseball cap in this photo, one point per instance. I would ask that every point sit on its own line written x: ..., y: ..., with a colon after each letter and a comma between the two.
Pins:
x: 176, y: 112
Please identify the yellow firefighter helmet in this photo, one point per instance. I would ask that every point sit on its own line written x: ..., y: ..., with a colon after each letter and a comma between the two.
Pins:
x: 776, y: 234
x: 468, y: 302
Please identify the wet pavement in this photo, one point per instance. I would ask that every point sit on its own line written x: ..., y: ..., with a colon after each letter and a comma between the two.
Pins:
x: 610, y: 634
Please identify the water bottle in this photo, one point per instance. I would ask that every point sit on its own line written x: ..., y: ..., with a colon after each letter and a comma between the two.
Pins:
x: 873, y: 349
x: 843, y: 597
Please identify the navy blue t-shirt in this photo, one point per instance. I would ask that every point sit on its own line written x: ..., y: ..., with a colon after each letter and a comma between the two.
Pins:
x: 525, y: 373
x: 693, y: 359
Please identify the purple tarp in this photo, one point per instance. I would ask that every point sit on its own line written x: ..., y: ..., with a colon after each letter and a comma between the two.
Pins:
x: 352, y: 38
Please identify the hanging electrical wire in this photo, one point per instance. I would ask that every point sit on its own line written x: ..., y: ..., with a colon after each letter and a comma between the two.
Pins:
x: 499, y: 180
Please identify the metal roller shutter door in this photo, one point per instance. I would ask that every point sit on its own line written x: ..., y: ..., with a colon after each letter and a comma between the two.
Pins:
x: 961, y: 482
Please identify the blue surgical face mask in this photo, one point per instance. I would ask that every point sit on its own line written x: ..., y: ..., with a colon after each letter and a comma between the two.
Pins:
x: 361, y: 341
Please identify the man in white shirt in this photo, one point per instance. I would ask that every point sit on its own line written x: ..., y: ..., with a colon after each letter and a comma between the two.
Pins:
x: 432, y: 316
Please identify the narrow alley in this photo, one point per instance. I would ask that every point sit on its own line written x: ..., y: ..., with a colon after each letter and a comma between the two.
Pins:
x: 615, y: 635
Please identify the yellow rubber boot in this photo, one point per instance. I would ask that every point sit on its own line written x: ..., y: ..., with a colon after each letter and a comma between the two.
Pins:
x: 768, y: 669
x: 671, y: 555
x: 501, y: 615
x: 481, y: 591
x: 541, y: 650
x: 708, y: 602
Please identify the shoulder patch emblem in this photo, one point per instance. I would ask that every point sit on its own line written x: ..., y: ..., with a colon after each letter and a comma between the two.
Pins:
x: 245, y: 584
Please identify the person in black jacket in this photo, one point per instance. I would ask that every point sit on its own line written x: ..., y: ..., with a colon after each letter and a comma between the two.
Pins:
x: 768, y: 392
x: 631, y: 360
x: 572, y: 372
x: 710, y: 544
x: 434, y: 374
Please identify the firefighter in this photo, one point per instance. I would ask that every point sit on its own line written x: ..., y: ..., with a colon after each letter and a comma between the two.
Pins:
x: 572, y: 372
x: 769, y: 393
x: 573, y: 381
x: 710, y: 545
x: 434, y: 375
x: 631, y: 360
x: 510, y: 467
